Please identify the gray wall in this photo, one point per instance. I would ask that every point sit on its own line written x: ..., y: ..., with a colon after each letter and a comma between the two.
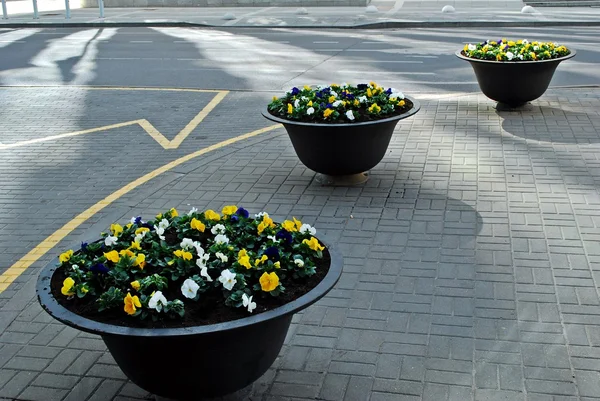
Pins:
x: 224, y: 3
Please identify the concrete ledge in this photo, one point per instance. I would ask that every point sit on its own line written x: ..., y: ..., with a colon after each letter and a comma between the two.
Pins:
x: 225, y: 3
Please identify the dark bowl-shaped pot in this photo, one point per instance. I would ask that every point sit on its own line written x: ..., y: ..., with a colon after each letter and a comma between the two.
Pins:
x: 342, y: 149
x: 514, y: 82
x: 192, y: 363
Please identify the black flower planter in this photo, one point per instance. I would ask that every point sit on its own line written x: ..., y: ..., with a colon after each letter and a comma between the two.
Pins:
x: 342, y: 149
x: 514, y: 83
x: 192, y: 363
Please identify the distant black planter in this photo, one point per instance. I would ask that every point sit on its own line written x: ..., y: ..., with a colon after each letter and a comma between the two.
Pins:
x: 514, y: 83
x: 194, y: 362
x: 342, y: 149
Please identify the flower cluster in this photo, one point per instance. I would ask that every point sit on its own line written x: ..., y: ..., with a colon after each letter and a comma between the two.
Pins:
x: 153, y: 269
x: 340, y: 103
x: 509, y: 50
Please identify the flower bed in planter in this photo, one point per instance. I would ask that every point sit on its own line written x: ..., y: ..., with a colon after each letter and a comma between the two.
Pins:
x: 514, y: 72
x: 196, y: 305
x: 341, y: 130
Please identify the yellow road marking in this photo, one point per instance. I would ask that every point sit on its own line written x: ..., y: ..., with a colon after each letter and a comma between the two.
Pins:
x: 46, y: 245
x: 145, y: 124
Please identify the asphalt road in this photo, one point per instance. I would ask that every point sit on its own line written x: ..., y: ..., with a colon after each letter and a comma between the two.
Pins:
x: 268, y: 59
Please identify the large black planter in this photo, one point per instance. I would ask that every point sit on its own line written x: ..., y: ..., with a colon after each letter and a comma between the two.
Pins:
x: 342, y: 149
x: 192, y: 363
x: 514, y: 83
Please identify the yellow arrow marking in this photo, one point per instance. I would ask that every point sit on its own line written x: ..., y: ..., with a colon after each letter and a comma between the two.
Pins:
x: 145, y: 124
x: 46, y: 245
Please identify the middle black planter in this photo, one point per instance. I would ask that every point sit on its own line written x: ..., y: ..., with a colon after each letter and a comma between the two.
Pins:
x: 342, y: 149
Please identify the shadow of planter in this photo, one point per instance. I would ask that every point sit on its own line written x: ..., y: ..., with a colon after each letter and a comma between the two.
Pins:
x: 550, y: 124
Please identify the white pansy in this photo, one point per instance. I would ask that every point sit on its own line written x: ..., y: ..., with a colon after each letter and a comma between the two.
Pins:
x: 344, y: 85
x: 132, y: 220
x: 227, y: 278
x: 304, y: 98
x: 218, y: 229
x: 307, y: 228
x: 510, y: 55
x: 471, y: 47
x: 397, y: 94
x: 535, y: 48
x: 310, y: 111
x: 247, y: 302
x: 337, y: 103
x: 520, y: 56
x: 525, y: 41
x: 362, y: 99
x: 299, y: 262
x: 160, y: 232
x: 187, y: 243
x: 157, y: 301
x: 110, y: 240
x: 222, y: 257
x: 75, y: 267
x: 350, y: 115
x: 297, y: 103
x: 221, y: 239
x: 204, y: 273
x: 261, y: 215
x: 164, y: 223
x: 273, y: 238
x: 192, y: 211
x: 189, y: 288
x: 333, y: 93
x: 200, y: 251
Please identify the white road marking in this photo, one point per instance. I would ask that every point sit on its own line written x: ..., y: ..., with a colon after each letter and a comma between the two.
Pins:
x: 140, y: 41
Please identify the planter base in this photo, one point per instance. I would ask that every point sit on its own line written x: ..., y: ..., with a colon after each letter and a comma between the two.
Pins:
x: 342, y: 180
x: 237, y: 396
x: 510, y: 107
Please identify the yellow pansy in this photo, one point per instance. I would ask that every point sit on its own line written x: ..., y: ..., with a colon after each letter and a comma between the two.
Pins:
x: 331, y: 99
x: 289, y: 225
x: 66, y: 256
x: 369, y: 92
x: 136, y: 246
x: 511, y: 43
x: 229, y: 210
x: 212, y: 215
x: 128, y: 225
x: 485, y: 48
x: 297, y: 222
x: 374, y: 108
x: 142, y: 230
x: 277, y: 264
x: 269, y: 281
x: 503, y: 40
x: 327, y: 113
x: 128, y: 253
x: 261, y: 227
x: 140, y: 260
x: 356, y: 103
x: 532, y: 54
x: 334, y: 85
x: 401, y: 103
x: 242, y: 253
x: 131, y: 304
x: 260, y: 261
x: 185, y: 255
x: 493, y: 43
x: 274, y: 98
x: 290, y: 108
x: 313, y: 244
x: 499, y: 56
x: 67, y: 288
x: 159, y: 216
x: 245, y: 261
x: 135, y: 285
x: 306, y: 87
x: 85, y: 290
x: 197, y: 225
x: 309, y: 104
x: 116, y: 229
x: 466, y: 48
x: 173, y: 212
x: 112, y: 256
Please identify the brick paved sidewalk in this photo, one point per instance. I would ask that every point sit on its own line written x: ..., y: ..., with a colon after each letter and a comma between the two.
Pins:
x: 471, y: 255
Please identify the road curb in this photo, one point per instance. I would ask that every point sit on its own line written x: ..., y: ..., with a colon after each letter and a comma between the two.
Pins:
x: 374, y: 25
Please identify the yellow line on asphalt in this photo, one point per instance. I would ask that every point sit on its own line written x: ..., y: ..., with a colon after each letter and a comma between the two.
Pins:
x: 46, y: 245
x: 145, y: 124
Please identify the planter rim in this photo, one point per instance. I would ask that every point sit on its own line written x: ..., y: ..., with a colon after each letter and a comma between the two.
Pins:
x: 463, y: 57
x: 416, y: 107
x: 59, y: 312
